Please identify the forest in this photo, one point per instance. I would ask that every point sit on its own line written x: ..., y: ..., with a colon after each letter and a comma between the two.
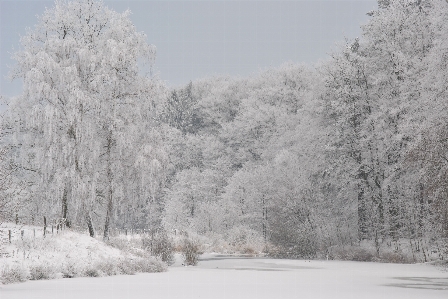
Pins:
x: 302, y: 159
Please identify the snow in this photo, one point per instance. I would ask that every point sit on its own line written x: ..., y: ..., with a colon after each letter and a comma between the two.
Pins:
x: 68, y: 253
x: 218, y: 276
x: 59, y: 247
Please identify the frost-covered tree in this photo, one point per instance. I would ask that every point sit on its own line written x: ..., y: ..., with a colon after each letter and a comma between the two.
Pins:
x: 181, y: 111
x: 13, y: 193
x: 250, y: 165
x: 377, y: 100
x: 426, y: 160
x: 12, y: 190
x: 84, y: 105
x: 193, y: 201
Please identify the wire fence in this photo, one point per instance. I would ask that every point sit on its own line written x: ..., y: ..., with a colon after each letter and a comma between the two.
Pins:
x: 17, y: 232
x: 11, y: 234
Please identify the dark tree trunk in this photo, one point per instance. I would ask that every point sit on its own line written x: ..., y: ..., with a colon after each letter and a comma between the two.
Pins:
x: 45, y: 226
x: 65, y: 206
x: 109, y: 191
x: 362, y: 215
x: 108, y: 214
x: 264, y: 218
x: 90, y: 225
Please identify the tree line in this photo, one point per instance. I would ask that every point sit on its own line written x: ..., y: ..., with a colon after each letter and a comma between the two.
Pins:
x: 304, y: 157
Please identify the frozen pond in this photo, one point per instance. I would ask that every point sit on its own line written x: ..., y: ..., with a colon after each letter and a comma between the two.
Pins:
x: 219, y: 276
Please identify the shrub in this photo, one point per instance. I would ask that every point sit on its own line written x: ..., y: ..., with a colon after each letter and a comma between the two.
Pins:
x: 248, y: 250
x: 351, y: 253
x: 71, y: 269
x: 245, y: 240
x: 293, y: 244
x: 126, y: 267
x: 395, y: 257
x: 14, y: 273
x: 442, y: 264
x: 108, y: 267
x: 159, y: 245
x: 362, y: 255
x: 41, y: 272
x: 148, y: 265
x: 294, y: 237
x: 130, y: 266
x: 190, y: 251
x: 92, y: 271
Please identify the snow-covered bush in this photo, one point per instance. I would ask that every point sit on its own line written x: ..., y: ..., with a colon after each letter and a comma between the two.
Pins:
x: 140, y: 265
x: 160, y: 245
x: 41, y: 272
x: 146, y: 265
x: 71, y: 268
x: 92, y: 271
x: 397, y: 257
x: 293, y: 242
x: 14, y: 273
x: 126, y: 268
x: 442, y: 265
x: 352, y: 253
x: 191, y: 251
x: 108, y: 267
x: 245, y: 240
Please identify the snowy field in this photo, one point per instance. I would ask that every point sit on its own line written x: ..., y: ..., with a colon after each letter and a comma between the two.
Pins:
x: 218, y: 276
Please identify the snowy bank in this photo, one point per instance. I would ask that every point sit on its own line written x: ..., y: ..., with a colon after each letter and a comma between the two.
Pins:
x: 66, y: 254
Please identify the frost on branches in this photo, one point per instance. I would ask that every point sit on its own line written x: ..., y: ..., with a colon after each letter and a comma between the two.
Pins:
x: 81, y: 122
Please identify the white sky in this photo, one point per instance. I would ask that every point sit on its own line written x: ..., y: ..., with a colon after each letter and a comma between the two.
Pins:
x: 195, y: 39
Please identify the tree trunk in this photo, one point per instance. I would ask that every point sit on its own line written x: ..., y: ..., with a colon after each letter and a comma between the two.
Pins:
x: 90, y: 225
x: 264, y: 218
x: 65, y: 206
x: 108, y: 214
x: 362, y: 215
x: 109, y: 191
x: 45, y: 226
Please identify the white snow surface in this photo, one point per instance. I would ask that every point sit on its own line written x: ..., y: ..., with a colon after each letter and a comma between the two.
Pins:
x: 218, y: 276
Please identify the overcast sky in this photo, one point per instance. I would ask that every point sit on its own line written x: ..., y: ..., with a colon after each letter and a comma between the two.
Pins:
x: 196, y: 39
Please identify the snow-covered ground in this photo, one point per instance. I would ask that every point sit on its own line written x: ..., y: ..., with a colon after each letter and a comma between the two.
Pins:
x: 68, y: 254
x: 219, y: 276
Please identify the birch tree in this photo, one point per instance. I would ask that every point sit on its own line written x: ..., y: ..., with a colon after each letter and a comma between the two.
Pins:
x: 83, y: 98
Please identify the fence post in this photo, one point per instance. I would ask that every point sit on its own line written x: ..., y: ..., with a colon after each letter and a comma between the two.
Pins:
x: 45, y: 226
x: 9, y: 235
x: 21, y: 233
x: 34, y: 232
x: 52, y: 229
